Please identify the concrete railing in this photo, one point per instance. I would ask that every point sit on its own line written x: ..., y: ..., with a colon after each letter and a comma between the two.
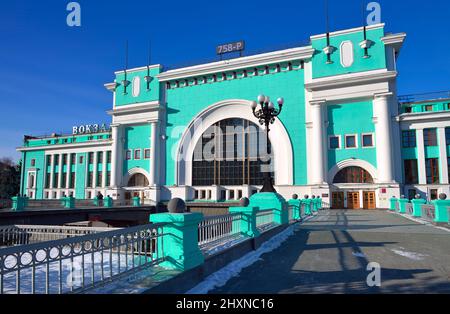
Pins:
x: 436, y: 212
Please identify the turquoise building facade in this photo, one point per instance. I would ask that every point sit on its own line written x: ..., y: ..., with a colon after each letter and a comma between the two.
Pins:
x: 190, y: 132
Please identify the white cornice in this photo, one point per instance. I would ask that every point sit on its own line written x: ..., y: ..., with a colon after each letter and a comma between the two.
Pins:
x: 153, y: 66
x: 238, y: 63
x: 136, y: 108
x: 394, y: 40
x: 423, y: 116
x: 348, y: 31
x: 351, y: 79
x: 66, y: 146
x: 111, y: 86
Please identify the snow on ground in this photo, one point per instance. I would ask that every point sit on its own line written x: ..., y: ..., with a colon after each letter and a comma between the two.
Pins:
x: 411, y: 255
x: 70, y: 272
x: 220, y: 277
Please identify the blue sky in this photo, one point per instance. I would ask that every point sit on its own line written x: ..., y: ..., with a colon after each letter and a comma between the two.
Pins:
x: 53, y: 75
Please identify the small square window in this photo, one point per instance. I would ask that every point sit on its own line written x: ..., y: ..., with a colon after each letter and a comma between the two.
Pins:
x: 81, y: 159
x: 367, y: 140
x: 350, y: 141
x: 147, y: 153
x: 137, y: 154
x: 334, y: 142
x: 429, y: 108
x: 128, y: 155
x: 33, y: 162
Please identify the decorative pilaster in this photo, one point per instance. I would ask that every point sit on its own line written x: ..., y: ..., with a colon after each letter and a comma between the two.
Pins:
x: 60, y: 171
x: 421, y: 157
x: 52, y: 172
x: 105, y: 168
x: 95, y: 172
x: 443, y: 155
x: 154, y: 144
x: 116, y: 155
x: 317, y: 156
x: 381, y: 106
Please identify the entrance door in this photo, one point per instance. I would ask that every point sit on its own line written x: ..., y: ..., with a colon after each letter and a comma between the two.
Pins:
x: 369, y: 199
x: 353, y: 200
x: 337, y: 200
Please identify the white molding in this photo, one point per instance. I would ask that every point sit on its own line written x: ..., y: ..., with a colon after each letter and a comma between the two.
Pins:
x: 352, y: 162
x: 136, y: 108
x: 302, y: 53
x: 342, y: 55
x: 154, y: 66
x: 231, y: 108
x: 348, y: 31
x: 352, y: 79
x: 67, y: 146
x: 424, y: 116
x: 394, y: 40
x: 133, y: 171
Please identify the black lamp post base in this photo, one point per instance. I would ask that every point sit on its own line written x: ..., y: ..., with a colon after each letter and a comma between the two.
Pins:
x: 268, y: 185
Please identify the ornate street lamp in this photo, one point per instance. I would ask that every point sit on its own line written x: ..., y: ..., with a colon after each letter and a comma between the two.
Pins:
x: 266, y: 115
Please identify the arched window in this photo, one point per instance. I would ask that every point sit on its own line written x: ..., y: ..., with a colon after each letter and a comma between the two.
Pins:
x: 353, y: 174
x: 138, y: 179
x: 231, y: 152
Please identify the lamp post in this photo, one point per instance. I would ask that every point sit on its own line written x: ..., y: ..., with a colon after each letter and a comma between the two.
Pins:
x: 266, y: 115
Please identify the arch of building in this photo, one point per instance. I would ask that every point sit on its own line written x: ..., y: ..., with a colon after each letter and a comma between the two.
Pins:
x: 352, y: 163
x: 233, y: 108
x: 135, y: 171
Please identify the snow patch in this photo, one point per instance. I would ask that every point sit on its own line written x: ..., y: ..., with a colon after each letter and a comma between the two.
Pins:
x: 410, y: 255
x: 220, y: 277
x: 359, y: 254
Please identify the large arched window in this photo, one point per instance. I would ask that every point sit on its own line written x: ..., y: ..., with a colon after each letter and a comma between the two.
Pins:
x: 231, y: 152
x: 138, y: 179
x: 353, y: 174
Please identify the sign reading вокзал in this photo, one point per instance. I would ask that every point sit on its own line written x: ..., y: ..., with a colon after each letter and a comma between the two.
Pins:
x: 90, y: 128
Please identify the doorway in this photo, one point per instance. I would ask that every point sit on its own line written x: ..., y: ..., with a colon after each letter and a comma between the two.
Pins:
x: 337, y: 200
x: 369, y: 200
x: 353, y: 200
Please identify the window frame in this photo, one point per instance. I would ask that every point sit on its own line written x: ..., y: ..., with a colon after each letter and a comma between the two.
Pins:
x: 355, y: 136
x: 137, y: 151
x: 409, y: 138
x: 372, y: 135
x: 427, y: 139
x: 128, y: 154
x: 145, y: 153
x: 338, y: 136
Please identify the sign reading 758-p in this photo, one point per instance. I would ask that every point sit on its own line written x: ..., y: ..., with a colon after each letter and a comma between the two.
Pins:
x: 231, y: 47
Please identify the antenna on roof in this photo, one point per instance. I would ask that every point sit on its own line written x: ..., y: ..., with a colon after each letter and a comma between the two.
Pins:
x: 365, y: 43
x: 148, y: 77
x: 125, y: 82
x: 328, y: 48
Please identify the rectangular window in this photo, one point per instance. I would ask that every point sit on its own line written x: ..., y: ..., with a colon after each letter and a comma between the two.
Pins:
x: 47, y: 180
x: 108, y: 157
x: 81, y: 159
x: 137, y: 154
x: 408, y: 109
x: 334, y: 142
x: 91, y: 158
x: 108, y: 178
x: 49, y: 160
x: 350, y: 141
x: 99, y: 178
x: 430, y: 137
x: 429, y: 108
x: 33, y: 162
x: 55, y: 180
x: 128, y: 155
x: 447, y: 136
x: 64, y: 178
x: 409, y: 138
x: 64, y: 159
x: 411, y: 171
x: 56, y: 158
x: 90, y: 179
x: 367, y: 140
x: 448, y: 164
x: 100, y: 157
x: 72, y: 158
x: 72, y: 180
x: 432, y: 167
x: 147, y: 153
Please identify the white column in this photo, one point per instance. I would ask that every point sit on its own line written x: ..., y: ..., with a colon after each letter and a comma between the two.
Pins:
x: 60, y: 170
x: 154, y: 144
x: 105, y: 168
x: 443, y: 155
x: 383, y: 136
x: 68, y: 172
x: 421, y: 157
x: 115, y: 155
x: 94, y: 179
x: 52, y: 171
x: 318, y: 174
